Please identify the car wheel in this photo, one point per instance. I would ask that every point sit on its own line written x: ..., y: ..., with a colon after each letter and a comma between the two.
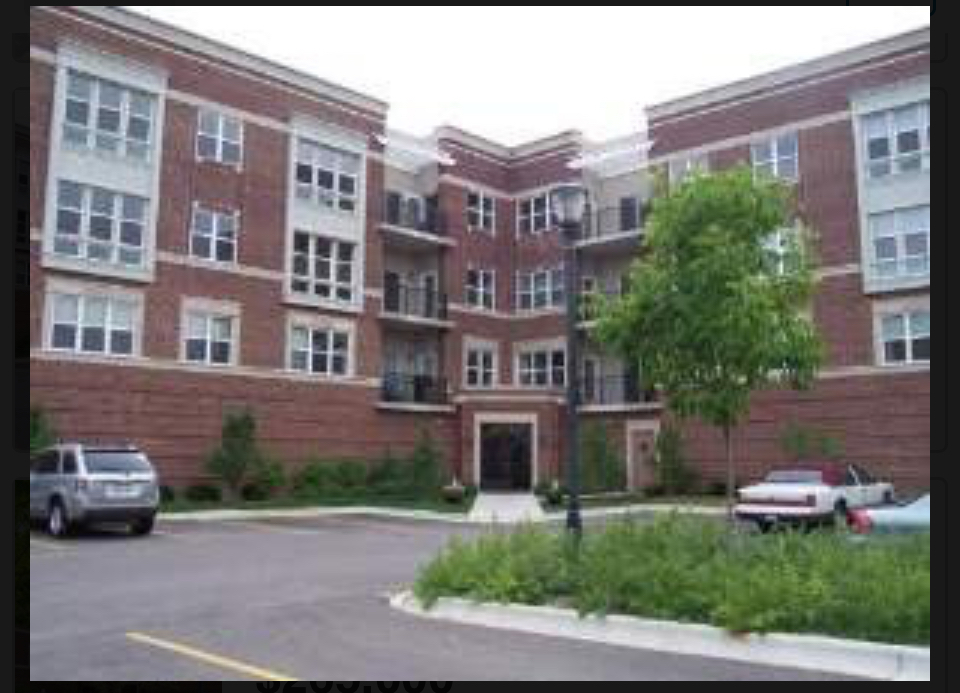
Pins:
x: 142, y: 526
x: 57, y: 523
x: 764, y: 526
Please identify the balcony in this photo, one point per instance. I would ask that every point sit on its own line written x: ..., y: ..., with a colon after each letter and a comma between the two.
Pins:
x: 613, y: 228
x: 588, y: 305
x: 413, y: 223
x: 413, y: 304
x: 410, y: 392
x: 617, y: 391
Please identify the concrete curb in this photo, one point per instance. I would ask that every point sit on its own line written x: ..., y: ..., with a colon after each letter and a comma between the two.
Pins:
x: 427, y: 515
x: 808, y: 652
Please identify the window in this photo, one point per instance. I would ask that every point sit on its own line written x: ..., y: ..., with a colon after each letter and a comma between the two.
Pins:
x: 209, y: 337
x: 542, y: 367
x: 901, y: 242
x: 779, y: 247
x: 45, y: 463
x: 323, y: 267
x: 213, y: 235
x: 327, y: 176
x: 93, y: 323
x: 630, y: 214
x: 99, y: 225
x: 481, y: 290
x: 69, y: 463
x: 905, y: 337
x: 534, y: 214
x: 219, y: 138
x: 540, y: 289
x: 481, y: 368
x: 319, y: 350
x: 108, y: 117
x: 897, y: 140
x: 777, y: 158
x: 681, y: 169
x: 480, y: 211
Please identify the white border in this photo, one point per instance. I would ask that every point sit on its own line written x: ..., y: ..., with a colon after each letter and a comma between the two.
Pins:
x: 481, y: 418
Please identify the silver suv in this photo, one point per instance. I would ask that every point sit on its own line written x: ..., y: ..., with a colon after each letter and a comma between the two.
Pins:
x: 72, y: 485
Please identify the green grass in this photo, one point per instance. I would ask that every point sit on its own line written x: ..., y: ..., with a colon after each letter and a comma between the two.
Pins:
x: 181, y: 505
x: 697, y: 571
x: 615, y: 500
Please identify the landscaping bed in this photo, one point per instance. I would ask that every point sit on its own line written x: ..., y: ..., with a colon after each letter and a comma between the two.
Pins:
x: 696, y: 571
x: 405, y: 503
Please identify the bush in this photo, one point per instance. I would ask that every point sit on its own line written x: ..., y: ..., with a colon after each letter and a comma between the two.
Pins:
x: 315, y: 478
x: 238, y: 455
x: 203, y: 493
x: 802, y: 443
x: 425, y: 466
x: 603, y: 468
x: 349, y: 477
x: 268, y: 477
x: 390, y: 476
x: 42, y: 434
x: 674, y: 475
x: 696, y: 570
x: 167, y: 494
x: 254, y: 492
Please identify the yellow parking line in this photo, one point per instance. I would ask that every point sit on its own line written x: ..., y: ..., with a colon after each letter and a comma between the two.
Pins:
x: 210, y: 658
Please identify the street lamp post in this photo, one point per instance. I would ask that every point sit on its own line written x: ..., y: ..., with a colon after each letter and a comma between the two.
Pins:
x: 568, y: 203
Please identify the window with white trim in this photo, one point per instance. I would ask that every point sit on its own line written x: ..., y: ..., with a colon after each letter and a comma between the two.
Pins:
x: 219, y: 138
x: 900, y: 242
x: 533, y: 214
x: 481, y: 366
x: 540, y: 289
x: 905, y: 337
x: 327, y: 176
x: 91, y: 323
x: 319, y: 350
x: 99, y: 225
x: 777, y: 157
x: 539, y: 367
x: 108, y: 117
x: 209, y: 337
x: 481, y: 211
x: 213, y: 235
x: 323, y: 267
x: 780, y: 247
x: 682, y: 168
x: 897, y: 140
x: 481, y: 288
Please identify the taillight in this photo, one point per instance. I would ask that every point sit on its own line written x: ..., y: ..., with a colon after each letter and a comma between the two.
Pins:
x: 81, y: 484
x: 860, y: 521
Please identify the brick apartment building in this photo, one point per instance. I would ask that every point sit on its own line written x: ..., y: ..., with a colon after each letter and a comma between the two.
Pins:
x: 211, y: 230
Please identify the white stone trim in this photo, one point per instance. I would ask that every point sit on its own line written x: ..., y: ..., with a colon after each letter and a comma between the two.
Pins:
x: 84, y: 288
x: 215, y: 308
x: 531, y: 419
x: 298, y: 318
x: 895, y: 306
x: 248, y: 271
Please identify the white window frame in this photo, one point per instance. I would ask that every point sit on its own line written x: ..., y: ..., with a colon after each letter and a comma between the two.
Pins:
x: 309, y: 152
x: 311, y: 323
x: 546, y: 348
x: 218, y: 234
x: 899, y: 234
x: 551, y: 282
x: 210, y: 310
x: 483, y: 295
x: 84, y: 292
x: 904, y: 308
x: 125, y: 144
x: 777, y: 158
x: 532, y: 216
x: 219, y: 137
x: 894, y: 161
x: 484, y: 211
x: 482, y: 348
x: 117, y: 219
x: 334, y: 263
x: 681, y: 168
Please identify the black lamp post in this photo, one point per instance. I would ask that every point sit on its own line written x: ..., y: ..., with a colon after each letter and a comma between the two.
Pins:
x: 568, y: 203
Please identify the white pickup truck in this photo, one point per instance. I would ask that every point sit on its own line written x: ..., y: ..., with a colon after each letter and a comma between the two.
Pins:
x: 810, y: 494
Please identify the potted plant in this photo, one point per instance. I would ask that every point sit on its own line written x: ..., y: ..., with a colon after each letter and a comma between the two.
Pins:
x: 454, y: 492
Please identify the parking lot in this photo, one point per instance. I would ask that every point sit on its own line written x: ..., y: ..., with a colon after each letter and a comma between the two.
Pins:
x: 302, y: 599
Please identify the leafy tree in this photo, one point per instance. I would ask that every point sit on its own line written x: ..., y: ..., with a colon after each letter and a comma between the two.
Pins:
x: 803, y: 443
x: 42, y: 434
x: 425, y: 465
x: 712, y: 312
x: 238, y: 455
x: 603, y: 468
x: 674, y: 475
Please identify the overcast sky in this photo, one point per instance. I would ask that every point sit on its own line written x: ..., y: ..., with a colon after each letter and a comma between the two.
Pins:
x: 513, y: 74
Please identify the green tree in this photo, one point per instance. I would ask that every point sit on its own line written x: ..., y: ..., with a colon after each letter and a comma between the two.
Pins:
x: 803, y: 443
x: 425, y: 465
x: 42, y: 434
x: 603, y: 468
x: 238, y: 454
x: 713, y: 313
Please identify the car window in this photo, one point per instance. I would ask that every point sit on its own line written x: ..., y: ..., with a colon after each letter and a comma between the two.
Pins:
x: 114, y: 461
x: 46, y: 462
x: 850, y: 478
x: 69, y: 463
x: 864, y: 475
x: 794, y: 476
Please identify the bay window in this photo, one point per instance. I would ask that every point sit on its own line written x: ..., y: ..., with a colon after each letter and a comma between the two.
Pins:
x: 901, y: 242
x: 100, y: 225
x: 897, y: 140
x: 323, y: 267
x: 326, y: 176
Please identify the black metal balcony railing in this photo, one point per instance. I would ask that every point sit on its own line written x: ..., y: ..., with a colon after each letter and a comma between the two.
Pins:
x: 414, y: 389
x: 414, y: 213
x: 616, y: 389
x: 610, y: 221
x: 413, y: 301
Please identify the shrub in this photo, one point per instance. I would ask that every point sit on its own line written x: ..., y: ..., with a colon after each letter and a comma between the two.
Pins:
x: 603, y: 468
x: 268, y: 476
x: 203, y: 493
x: 674, y: 475
x: 42, y: 433
x: 349, y: 477
x: 167, y: 494
x: 425, y: 465
x: 254, y: 492
x: 802, y: 443
x: 315, y: 478
x: 238, y: 454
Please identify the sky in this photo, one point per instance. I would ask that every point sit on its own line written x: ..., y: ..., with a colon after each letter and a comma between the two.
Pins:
x: 514, y: 74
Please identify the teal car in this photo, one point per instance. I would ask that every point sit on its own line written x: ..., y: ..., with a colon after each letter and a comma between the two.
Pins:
x: 909, y: 517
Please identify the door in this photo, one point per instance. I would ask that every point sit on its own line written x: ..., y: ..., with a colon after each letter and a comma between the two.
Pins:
x: 641, y: 469
x: 430, y: 284
x: 590, y: 382
x: 505, y: 456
